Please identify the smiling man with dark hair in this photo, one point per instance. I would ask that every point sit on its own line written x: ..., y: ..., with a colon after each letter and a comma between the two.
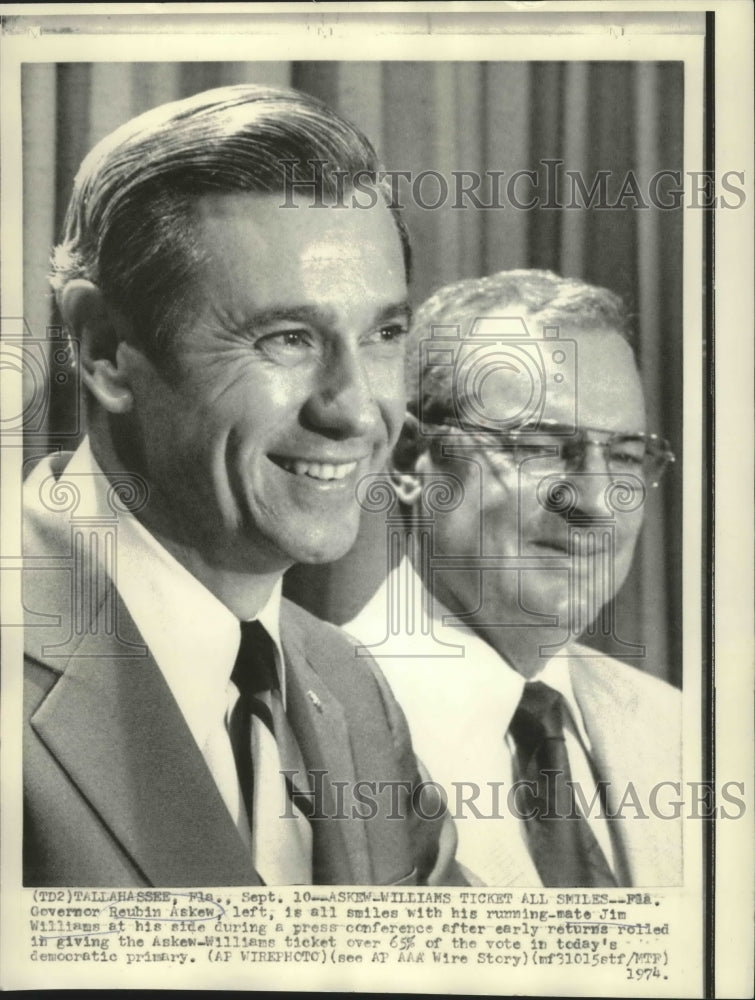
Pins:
x: 243, y: 365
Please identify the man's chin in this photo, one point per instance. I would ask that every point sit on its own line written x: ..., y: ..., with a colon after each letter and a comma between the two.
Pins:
x: 318, y: 549
x: 546, y: 598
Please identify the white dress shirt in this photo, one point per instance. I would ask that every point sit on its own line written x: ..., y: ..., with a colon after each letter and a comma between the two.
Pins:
x: 193, y: 637
x: 459, y: 696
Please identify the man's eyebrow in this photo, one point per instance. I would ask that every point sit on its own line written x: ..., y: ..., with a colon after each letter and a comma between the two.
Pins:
x: 319, y: 315
x: 546, y: 425
x: 397, y: 310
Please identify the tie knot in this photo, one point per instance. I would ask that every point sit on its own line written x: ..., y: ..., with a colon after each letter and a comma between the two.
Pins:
x: 539, y: 716
x: 254, y: 670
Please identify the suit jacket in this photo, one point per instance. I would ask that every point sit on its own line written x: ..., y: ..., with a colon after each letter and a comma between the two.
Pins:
x: 634, y: 722
x: 452, y: 704
x: 116, y: 791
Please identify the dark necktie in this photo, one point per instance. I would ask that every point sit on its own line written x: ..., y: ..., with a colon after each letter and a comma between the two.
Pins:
x: 265, y: 748
x: 563, y: 847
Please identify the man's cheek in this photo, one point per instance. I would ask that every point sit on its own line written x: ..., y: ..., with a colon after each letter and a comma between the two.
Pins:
x: 628, y: 536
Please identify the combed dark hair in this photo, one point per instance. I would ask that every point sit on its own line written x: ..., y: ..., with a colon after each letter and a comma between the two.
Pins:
x: 544, y: 296
x: 129, y: 227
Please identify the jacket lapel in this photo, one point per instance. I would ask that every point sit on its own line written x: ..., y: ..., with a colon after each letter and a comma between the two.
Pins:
x: 341, y: 854
x: 113, y: 725
x: 621, y: 732
x: 116, y: 730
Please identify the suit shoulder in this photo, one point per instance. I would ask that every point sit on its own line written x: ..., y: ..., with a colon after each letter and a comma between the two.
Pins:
x: 303, y: 626
x: 334, y: 655
x: 38, y: 682
x: 321, y: 640
x: 626, y: 681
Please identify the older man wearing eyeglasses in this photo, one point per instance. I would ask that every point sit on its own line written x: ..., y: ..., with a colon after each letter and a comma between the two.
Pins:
x: 524, y: 466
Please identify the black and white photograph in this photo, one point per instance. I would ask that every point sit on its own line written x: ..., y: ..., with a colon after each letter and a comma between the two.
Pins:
x: 364, y: 429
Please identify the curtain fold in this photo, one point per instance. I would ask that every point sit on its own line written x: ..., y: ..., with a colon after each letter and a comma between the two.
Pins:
x: 488, y: 118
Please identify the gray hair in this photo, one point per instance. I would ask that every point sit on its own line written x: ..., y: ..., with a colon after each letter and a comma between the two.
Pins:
x: 545, y: 296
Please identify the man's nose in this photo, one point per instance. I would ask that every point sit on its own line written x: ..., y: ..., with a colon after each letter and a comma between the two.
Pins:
x: 591, y: 492
x: 342, y: 403
x: 592, y: 482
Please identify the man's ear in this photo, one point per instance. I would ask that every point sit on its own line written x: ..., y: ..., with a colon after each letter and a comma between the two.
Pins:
x: 89, y: 319
x: 407, y: 486
x: 411, y: 458
x: 408, y: 483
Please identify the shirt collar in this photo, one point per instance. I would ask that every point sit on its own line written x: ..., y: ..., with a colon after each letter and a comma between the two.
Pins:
x: 193, y: 637
x: 511, y: 683
x: 556, y: 675
x: 486, y: 688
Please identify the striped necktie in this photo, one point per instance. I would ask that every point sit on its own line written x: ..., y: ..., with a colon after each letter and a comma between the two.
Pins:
x: 265, y: 748
x: 563, y: 847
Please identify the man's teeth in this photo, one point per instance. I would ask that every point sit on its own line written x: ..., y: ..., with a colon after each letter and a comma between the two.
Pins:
x: 320, y: 470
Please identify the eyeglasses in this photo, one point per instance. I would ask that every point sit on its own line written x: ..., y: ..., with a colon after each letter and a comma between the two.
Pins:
x: 558, y: 449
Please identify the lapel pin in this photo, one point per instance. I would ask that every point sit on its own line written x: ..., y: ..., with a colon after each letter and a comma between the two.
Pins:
x: 315, y: 700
